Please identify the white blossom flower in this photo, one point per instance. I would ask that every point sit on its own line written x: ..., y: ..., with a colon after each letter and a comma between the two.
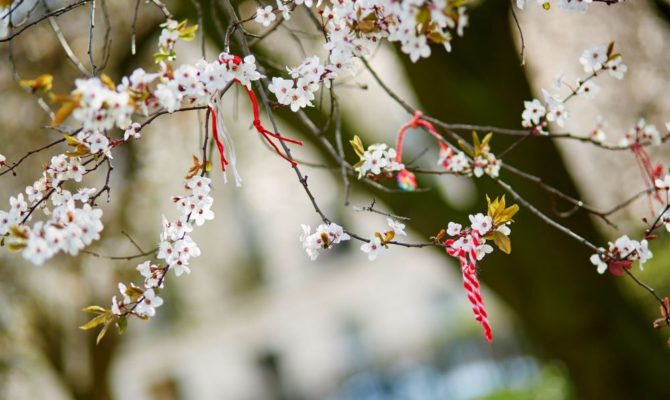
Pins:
x: 417, y: 47
x: 150, y: 301
x: 372, y: 248
x: 454, y: 229
x: 482, y: 250
x: 558, y: 114
x: 597, y: 133
x: 377, y: 159
x: 265, y: 15
x: 532, y: 113
x: 396, y: 226
x: 593, y: 59
x: 151, y: 272
x: 285, y: 11
x: 616, y: 68
x: 324, y: 237
x: 601, y: 266
x: 588, y: 89
x: 202, y: 214
x: 481, y: 223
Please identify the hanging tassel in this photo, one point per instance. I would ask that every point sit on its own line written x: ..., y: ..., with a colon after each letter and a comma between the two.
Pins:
x: 222, y: 141
x: 468, y: 263
x: 228, y: 141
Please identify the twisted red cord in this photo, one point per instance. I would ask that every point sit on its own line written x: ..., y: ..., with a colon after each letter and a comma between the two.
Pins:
x: 471, y: 285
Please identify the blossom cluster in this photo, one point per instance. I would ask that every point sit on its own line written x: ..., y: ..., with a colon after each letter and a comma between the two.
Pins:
x: 72, y: 222
x: 378, y: 243
x: 482, y: 160
x: 99, y: 105
x: 354, y: 28
x: 620, y: 254
x: 643, y: 133
x: 537, y: 114
x: 480, y: 226
x: 378, y: 159
x: 568, y: 5
x: 171, y: 32
x: 453, y: 160
x: 486, y: 162
x: 323, y: 237
x: 176, y: 249
x: 298, y: 92
x: 327, y: 235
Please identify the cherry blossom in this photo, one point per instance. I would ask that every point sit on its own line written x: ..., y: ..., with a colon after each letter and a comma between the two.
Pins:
x: 593, y: 59
x: 397, y: 227
x: 620, y: 254
x: 616, y: 68
x: 588, y: 89
x: 265, y: 15
x: 324, y: 237
x: 378, y: 159
x: 373, y: 248
x: 147, y: 307
x: 481, y: 223
x: 534, y: 110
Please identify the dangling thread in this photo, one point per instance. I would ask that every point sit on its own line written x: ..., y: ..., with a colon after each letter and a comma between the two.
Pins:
x: 406, y: 179
x: 258, y: 125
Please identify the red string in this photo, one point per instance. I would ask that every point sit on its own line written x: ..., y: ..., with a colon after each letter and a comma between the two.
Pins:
x: 267, y: 135
x: 258, y: 125
x: 649, y: 173
x: 215, y: 133
x: 416, y: 121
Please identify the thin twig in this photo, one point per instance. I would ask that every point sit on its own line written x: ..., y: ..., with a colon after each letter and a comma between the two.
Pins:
x: 518, y: 27
x: 66, y: 47
x: 55, y: 13
x: 133, y: 37
x: 371, y: 208
x: 91, y: 29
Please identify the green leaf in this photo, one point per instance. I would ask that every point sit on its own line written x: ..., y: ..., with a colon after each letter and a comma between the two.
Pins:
x: 466, y: 149
x: 487, y: 139
x: 357, y: 144
x: 103, y: 332
x: 475, y: 143
x: 502, y: 242
x: 122, y: 324
x: 99, y: 320
x: 93, y: 309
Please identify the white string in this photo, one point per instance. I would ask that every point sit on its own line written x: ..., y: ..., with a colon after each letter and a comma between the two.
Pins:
x: 229, y: 145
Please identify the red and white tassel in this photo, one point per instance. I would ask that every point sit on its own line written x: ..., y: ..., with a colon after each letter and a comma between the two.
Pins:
x: 224, y: 141
x: 468, y: 263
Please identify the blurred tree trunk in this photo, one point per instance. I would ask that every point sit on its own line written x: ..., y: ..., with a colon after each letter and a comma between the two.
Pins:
x: 569, y: 311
